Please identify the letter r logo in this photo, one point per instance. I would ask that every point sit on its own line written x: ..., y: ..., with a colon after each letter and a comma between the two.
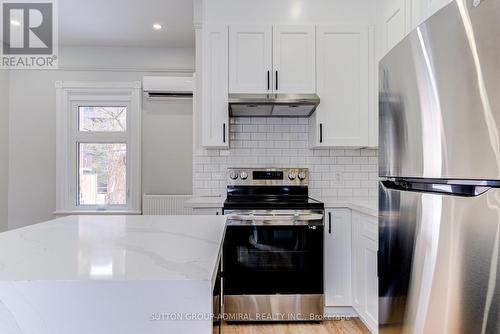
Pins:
x: 27, y: 28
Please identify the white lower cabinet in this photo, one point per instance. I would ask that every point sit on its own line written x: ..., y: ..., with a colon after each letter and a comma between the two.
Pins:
x: 364, y: 269
x: 338, y: 258
x: 207, y: 211
x: 351, y: 280
x: 351, y: 244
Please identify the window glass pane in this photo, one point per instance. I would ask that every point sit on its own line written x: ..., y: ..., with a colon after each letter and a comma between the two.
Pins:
x: 102, y: 119
x: 102, y: 174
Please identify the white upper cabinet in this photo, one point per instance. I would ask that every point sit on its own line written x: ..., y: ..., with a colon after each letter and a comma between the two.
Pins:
x: 250, y: 58
x: 215, y: 115
x: 272, y: 59
x: 394, y: 22
x: 423, y: 9
x: 344, y: 84
x: 294, y: 59
x: 397, y: 18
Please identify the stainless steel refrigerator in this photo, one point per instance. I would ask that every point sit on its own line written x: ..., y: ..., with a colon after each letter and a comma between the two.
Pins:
x: 439, y: 224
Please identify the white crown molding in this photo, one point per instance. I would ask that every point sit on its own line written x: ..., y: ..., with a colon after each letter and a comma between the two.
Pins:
x: 99, y: 85
x: 199, y: 13
x: 180, y: 70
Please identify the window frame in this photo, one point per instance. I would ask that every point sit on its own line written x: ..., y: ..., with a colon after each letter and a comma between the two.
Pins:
x: 72, y: 95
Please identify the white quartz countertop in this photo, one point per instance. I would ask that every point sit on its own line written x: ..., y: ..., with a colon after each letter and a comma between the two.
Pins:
x: 205, y: 202
x: 121, y: 248
x: 367, y: 208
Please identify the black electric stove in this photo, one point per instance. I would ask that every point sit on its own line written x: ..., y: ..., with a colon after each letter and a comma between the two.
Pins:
x: 273, y: 250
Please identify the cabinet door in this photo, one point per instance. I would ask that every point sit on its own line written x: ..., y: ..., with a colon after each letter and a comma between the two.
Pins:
x: 394, y: 23
x: 358, y: 289
x: 344, y: 82
x: 215, y: 114
x: 369, y: 270
x: 364, y: 272
x: 207, y: 211
x: 250, y: 58
x: 423, y: 9
x: 338, y: 258
x: 294, y: 59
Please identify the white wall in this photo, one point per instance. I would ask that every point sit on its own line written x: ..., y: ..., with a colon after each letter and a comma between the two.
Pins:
x: 167, y: 147
x: 4, y: 146
x: 289, y: 11
x: 32, y: 144
x: 123, y: 58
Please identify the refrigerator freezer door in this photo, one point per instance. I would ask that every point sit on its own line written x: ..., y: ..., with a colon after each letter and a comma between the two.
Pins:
x: 439, y: 263
x: 440, y: 97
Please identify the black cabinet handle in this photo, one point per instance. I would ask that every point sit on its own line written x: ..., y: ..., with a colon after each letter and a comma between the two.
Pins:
x: 217, y: 213
x: 268, y: 80
x: 276, y: 80
x: 321, y: 132
x: 224, y: 132
x: 329, y: 223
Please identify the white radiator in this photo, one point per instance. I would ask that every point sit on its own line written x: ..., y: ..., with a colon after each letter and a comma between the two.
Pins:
x: 165, y: 205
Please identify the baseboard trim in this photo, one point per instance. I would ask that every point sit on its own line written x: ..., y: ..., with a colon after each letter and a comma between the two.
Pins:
x: 341, y: 311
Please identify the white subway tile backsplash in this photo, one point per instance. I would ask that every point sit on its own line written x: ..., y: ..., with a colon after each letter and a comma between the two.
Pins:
x: 360, y: 160
x: 345, y: 174
x: 369, y: 153
x: 344, y: 160
x: 369, y: 168
x: 337, y: 153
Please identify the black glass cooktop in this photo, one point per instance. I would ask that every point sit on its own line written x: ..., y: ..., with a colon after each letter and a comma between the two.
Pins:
x: 270, y: 197
x: 273, y: 204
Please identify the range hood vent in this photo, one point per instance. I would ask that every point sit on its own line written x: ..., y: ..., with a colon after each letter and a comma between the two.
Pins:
x: 272, y: 105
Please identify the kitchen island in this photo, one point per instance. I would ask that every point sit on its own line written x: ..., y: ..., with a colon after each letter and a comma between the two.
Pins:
x: 110, y: 274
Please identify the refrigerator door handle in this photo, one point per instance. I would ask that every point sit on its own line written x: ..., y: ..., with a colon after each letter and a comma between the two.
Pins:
x: 459, y: 188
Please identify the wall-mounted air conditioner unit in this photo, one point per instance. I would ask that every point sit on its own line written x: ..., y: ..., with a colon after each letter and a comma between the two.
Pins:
x: 156, y: 87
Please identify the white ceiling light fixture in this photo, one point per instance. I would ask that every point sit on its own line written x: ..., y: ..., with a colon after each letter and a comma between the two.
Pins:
x: 15, y: 23
x: 157, y: 26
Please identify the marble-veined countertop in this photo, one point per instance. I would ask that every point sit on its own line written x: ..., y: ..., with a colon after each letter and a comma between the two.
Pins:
x: 111, y: 248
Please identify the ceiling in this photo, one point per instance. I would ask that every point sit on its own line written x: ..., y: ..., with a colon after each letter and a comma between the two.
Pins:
x: 126, y: 23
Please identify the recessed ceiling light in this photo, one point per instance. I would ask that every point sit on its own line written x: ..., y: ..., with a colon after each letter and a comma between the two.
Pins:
x: 157, y: 26
x: 296, y: 11
x: 15, y: 23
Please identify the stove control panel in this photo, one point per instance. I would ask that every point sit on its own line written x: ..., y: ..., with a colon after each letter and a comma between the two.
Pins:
x: 268, y: 176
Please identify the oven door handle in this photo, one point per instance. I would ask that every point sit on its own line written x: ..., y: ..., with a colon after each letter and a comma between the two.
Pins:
x: 238, y: 222
x: 308, y: 217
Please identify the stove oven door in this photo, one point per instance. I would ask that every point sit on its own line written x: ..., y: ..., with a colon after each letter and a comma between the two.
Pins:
x: 271, y: 270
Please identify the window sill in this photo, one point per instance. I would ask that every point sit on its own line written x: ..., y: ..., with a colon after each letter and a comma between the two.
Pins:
x: 97, y: 212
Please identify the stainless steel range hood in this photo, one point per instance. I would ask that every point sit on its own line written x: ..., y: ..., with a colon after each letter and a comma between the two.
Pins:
x: 272, y: 105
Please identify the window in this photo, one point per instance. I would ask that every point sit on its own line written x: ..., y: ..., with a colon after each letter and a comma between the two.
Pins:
x: 102, y: 118
x: 98, y: 147
x: 102, y: 174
